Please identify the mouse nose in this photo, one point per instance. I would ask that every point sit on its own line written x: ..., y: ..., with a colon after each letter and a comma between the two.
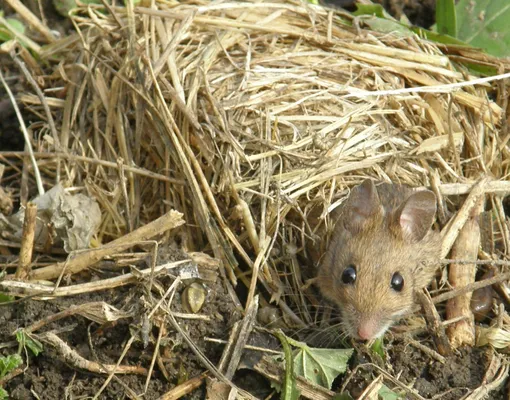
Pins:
x: 367, y: 329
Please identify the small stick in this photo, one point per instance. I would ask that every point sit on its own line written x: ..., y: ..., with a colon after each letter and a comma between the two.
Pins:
x: 14, y: 373
x: 85, y: 259
x: 466, y: 289
x: 427, y: 350
x: 434, y: 323
x: 467, y: 243
x: 261, y: 257
x: 44, y: 292
x: 246, y: 347
x: 115, y: 368
x: 471, y: 287
x: 243, y: 334
x: 185, y: 388
x: 451, y: 232
x: 72, y: 358
x: 27, y: 242
x: 155, y: 355
x: 94, y: 311
x: 503, y: 263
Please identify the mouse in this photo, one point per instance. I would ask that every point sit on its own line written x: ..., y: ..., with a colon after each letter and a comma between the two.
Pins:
x: 381, y: 251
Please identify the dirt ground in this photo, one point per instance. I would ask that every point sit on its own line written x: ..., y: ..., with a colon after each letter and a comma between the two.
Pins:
x: 48, y: 377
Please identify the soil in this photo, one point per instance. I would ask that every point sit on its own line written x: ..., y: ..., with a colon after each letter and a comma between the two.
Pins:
x: 461, y: 372
x: 49, y: 377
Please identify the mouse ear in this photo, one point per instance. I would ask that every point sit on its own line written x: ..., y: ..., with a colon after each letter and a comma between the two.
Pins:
x: 417, y: 214
x: 362, y: 203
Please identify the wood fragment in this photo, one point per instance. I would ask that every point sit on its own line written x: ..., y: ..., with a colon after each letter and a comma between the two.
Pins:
x: 184, y: 388
x: 237, y: 341
x: 27, y: 242
x: 466, y: 245
x: 434, y: 325
x: 72, y: 358
x: 451, y: 232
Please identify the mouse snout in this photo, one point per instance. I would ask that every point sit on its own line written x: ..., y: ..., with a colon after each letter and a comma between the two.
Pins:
x: 366, y: 330
x: 370, y: 328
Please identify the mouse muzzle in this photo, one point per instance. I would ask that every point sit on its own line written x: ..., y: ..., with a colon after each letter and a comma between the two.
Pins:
x: 370, y: 327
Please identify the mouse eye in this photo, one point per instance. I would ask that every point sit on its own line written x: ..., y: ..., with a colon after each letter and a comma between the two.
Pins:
x: 397, y: 282
x: 349, y: 275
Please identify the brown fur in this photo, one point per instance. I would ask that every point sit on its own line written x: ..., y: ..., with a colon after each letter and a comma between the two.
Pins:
x: 378, y: 247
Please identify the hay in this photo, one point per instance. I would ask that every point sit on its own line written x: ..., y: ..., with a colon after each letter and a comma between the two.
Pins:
x: 242, y: 114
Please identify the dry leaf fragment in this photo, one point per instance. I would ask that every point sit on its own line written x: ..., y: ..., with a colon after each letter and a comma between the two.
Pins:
x: 73, y: 218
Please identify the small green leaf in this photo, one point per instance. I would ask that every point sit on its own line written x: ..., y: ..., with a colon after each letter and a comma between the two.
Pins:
x: 25, y: 340
x: 438, y: 38
x: 320, y: 366
x: 3, y: 394
x: 385, y: 393
x: 379, y: 20
x: 15, y: 25
x: 5, y: 298
x: 378, y: 347
x: 479, y: 69
x: 484, y: 24
x: 8, y: 363
x: 446, y: 18
x: 371, y: 9
x: 387, y: 26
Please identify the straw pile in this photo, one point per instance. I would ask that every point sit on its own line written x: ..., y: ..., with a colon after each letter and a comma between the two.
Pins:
x: 241, y: 114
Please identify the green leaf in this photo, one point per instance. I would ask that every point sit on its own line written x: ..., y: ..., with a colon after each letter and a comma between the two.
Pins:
x: 5, y: 298
x: 480, y: 69
x: 387, y: 26
x: 437, y: 37
x: 320, y: 366
x: 15, y: 25
x: 3, y: 394
x: 379, y: 20
x: 485, y: 24
x: 371, y: 9
x: 378, y: 347
x: 25, y: 340
x: 8, y: 363
x: 446, y: 18
x: 385, y: 393
x: 289, y: 387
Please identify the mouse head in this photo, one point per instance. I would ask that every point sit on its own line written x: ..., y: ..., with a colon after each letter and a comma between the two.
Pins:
x: 381, y: 251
